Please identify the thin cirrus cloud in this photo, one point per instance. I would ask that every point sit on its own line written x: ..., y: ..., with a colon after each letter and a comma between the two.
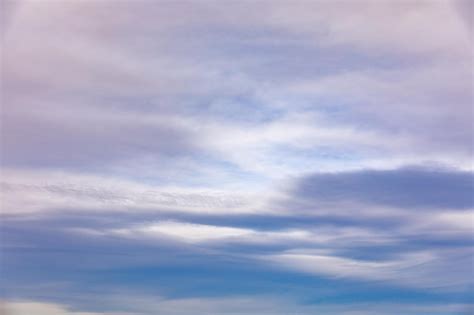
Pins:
x: 265, y: 157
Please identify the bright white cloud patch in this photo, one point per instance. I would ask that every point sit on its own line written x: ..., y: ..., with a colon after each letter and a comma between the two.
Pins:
x: 185, y: 231
x: 215, y: 234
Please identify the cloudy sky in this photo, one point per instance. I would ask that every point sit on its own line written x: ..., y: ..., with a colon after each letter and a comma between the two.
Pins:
x: 236, y: 157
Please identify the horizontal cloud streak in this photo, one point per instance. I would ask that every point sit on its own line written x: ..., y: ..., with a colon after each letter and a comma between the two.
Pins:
x: 241, y: 305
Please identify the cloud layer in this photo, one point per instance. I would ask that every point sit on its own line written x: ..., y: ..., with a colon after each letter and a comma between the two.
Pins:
x: 267, y: 157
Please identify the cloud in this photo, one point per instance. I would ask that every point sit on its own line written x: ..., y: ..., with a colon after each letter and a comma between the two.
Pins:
x: 88, y: 140
x: 344, y: 267
x: 188, y: 232
x: 63, y: 254
x: 417, y: 269
x: 465, y: 9
x: 52, y: 192
x: 239, y: 305
x: 39, y: 308
x: 206, y: 234
x: 211, y: 158
x: 229, y: 94
x: 371, y: 25
x: 405, y: 188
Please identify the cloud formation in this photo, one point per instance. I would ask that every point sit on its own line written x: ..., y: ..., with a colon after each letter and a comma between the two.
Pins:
x: 268, y: 157
x: 407, y: 188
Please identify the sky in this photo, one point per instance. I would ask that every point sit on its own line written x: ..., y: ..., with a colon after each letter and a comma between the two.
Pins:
x: 236, y: 157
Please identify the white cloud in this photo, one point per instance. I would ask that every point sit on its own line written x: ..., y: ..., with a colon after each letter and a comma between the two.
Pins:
x: 40, y: 308
x: 447, y: 223
x: 205, y: 234
x: 423, y: 269
x: 26, y: 192
x: 340, y: 267
x: 184, y: 231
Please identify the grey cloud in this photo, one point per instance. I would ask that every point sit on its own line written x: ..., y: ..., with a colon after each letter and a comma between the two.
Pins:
x: 465, y: 8
x: 86, y: 142
x: 8, y: 8
x: 407, y: 188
